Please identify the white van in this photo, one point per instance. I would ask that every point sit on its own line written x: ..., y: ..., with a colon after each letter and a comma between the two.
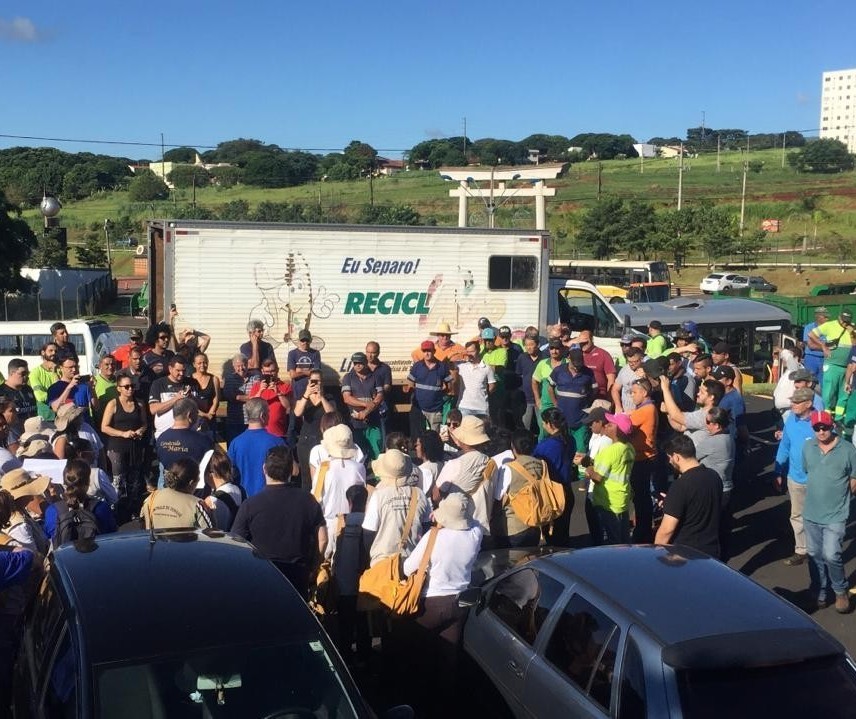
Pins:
x: 26, y: 339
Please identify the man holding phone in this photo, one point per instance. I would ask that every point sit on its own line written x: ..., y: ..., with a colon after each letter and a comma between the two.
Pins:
x: 167, y: 391
x: 72, y: 387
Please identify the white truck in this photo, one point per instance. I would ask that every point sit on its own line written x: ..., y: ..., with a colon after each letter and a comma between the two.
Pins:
x: 350, y: 284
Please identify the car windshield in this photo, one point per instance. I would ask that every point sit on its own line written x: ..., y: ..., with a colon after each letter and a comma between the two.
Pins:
x: 714, y: 277
x: 297, y: 680
x: 769, y: 691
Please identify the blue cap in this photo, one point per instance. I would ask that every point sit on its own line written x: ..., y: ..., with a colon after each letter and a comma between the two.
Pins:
x: 691, y: 327
x: 488, y: 333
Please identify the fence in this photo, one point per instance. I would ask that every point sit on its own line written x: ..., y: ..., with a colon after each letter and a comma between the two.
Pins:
x: 83, y: 300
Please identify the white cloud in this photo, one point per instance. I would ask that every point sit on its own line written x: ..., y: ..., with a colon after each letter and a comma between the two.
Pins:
x: 18, y: 29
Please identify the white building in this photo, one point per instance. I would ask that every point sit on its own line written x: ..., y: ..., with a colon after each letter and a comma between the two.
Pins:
x: 838, y: 107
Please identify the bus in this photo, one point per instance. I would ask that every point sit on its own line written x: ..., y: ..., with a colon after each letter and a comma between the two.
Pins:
x: 619, y: 280
x: 752, y: 329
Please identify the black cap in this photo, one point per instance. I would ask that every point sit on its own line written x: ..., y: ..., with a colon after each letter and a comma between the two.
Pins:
x: 653, y: 368
x: 595, y: 414
x: 721, y: 371
x: 359, y: 358
x: 655, y: 324
x: 575, y: 357
x: 504, y: 331
x: 720, y: 348
x: 484, y: 323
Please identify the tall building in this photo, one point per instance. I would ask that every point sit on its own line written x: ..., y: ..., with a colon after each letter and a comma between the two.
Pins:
x: 838, y: 107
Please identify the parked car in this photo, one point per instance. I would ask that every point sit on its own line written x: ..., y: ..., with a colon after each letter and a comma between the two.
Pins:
x: 754, y: 282
x: 126, y: 242
x: 176, y: 624
x: 642, y: 631
x: 716, y: 282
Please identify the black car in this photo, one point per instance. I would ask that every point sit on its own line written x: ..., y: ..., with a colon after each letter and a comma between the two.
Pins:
x: 641, y: 631
x: 175, y: 624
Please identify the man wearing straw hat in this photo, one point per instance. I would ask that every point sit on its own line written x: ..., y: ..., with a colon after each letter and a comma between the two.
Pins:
x: 444, y: 348
x: 338, y: 473
x: 469, y: 472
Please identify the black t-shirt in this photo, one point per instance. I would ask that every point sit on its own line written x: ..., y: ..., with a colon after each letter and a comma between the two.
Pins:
x: 158, y: 364
x: 24, y: 399
x: 175, y: 444
x: 694, y: 500
x: 282, y: 523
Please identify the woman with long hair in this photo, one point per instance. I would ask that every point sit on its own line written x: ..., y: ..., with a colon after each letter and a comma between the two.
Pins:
x: 310, y: 408
x: 208, y: 396
x: 75, y: 481
x: 429, y: 452
x: 124, y: 426
x: 557, y: 450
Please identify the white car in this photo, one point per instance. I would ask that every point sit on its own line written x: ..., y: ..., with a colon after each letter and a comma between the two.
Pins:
x: 716, y: 282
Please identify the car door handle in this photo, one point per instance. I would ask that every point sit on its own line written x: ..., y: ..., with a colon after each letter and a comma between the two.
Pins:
x: 515, y: 668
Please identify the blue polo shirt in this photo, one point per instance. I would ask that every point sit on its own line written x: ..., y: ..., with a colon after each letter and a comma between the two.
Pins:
x: 789, y: 456
x: 428, y: 395
x: 733, y: 402
x: 573, y: 392
x: 364, y: 390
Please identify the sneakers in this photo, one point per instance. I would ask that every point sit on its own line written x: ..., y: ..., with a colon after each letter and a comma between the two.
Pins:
x: 842, y: 603
x: 795, y: 560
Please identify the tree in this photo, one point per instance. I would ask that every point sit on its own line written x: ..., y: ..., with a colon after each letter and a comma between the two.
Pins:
x: 602, y: 227
x: 17, y: 241
x: 749, y: 245
x: 51, y: 250
x: 236, y: 211
x: 184, y: 176
x: 147, y: 186
x: 92, y: 252
x: 185, y: 155
x: 604, y: 145
x: 361, y: 157
x: 638, y: 226
x: 713, y: 228
x: 822, y: 156
x: 227, y: 175
x: 388, y: 215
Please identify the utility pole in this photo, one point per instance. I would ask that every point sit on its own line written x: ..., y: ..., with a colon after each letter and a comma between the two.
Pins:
x: 784, y: 139
x: 718, y: 139
x: 681, y: 176
x: 465, y: 141
x: 599, y: 179
x: 743, y: 195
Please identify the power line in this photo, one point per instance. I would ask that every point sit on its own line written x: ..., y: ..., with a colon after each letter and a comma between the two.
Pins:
x: 134, y: 143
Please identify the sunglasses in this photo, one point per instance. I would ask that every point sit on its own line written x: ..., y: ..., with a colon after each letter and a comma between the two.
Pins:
x: 822, y: 427
x: 163, y: 337
x: 124, y: 386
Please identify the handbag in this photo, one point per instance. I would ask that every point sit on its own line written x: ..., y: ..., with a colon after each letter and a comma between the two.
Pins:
x: 381, y: 585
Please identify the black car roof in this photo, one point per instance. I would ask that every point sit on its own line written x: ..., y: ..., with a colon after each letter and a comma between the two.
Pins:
x: 685, y: 598
x: 136, y: 598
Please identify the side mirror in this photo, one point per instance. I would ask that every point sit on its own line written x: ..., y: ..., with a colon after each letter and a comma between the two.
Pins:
x: 469, y: 597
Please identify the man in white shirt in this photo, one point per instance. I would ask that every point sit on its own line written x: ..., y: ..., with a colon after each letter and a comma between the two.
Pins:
x: 476, y: 382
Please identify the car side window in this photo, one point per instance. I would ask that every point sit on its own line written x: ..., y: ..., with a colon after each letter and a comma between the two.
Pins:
x: 583, y: 646
x: 60, y: 696
x: 523, y: 600
x: 632, y: 701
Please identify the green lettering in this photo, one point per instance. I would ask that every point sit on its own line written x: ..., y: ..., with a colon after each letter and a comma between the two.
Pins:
x: 396, y: 306
x: 370, y: 307
x: 422, y: 307
x: 353, y: 303
x: 384, y: 301
x: 408, y: 305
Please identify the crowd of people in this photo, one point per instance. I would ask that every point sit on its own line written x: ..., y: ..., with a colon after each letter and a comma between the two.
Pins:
x: 648, y: 441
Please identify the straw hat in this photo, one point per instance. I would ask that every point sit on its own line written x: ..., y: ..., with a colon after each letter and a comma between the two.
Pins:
x: 35, y: 448
x: 338, y: 440
x: 471, y: 431
x: 392, y: 464
x: 35, y: 428
x: 454, y: 512
x: 20, y: 483
x: 67, y: 413
x: 443, y: 328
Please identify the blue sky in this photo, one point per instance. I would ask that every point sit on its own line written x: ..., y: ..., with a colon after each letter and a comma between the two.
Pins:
x: 318, y: 75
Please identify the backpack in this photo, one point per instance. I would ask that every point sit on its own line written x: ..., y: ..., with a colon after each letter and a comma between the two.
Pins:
x: 540, y: 501
x: 74, y: 524
x: 229, y: 500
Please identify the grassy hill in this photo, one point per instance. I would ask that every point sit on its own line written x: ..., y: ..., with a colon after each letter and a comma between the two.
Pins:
x: 773, y: 192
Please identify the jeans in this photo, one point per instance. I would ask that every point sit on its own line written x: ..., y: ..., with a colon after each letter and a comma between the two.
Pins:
x: 616, y: 527
x: 824, y: 543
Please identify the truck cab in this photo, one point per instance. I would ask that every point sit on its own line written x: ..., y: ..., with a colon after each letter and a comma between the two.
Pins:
x: 582, y: 307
